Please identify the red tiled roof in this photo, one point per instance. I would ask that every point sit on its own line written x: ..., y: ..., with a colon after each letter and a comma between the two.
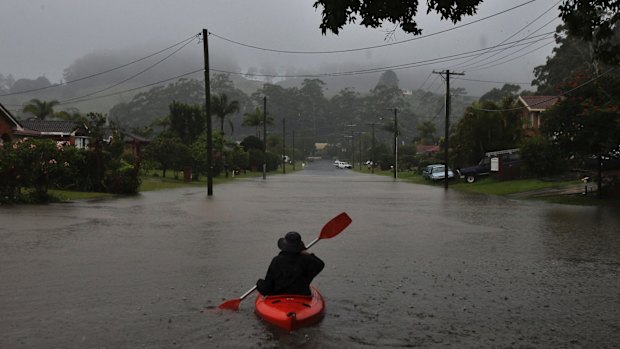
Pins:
x: 421, y: 148
x: 539, y: 102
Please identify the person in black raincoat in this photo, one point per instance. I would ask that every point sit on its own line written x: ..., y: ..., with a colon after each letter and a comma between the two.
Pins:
x: 292, y: 270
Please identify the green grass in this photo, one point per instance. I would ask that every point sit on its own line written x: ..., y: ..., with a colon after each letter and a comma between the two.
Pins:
x: 494, y: 187
x: 67, y: 195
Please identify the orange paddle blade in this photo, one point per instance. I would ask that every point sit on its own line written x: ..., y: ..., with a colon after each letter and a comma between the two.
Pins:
x: 232, y: 304
x: 335, y: 226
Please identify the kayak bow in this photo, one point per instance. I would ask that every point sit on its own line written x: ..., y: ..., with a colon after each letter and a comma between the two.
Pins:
x: 291, y: 311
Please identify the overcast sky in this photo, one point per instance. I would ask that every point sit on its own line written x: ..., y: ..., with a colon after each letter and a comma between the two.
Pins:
x: 39, y: 37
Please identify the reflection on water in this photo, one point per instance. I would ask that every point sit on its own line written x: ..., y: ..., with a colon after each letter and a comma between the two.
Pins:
x: 418, y: 267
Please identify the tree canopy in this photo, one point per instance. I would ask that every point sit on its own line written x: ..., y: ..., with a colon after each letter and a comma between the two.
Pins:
x: 336, y: 14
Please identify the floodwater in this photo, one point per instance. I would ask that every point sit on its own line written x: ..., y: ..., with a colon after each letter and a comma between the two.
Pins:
x: 418, y: 267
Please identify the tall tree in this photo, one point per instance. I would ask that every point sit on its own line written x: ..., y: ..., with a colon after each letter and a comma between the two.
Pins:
x: 221, y: 107
x: 187, y: 122
x: 255, y: 119
x: 586, y: 123
x: 40, y: 109
x: 389, y: 79
x: 596, y: 22
x: 481, y: 131
x: 427, y: 132
x: 496, y: 95
x: 571, y: 55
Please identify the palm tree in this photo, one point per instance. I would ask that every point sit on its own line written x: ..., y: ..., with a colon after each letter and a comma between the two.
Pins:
x: 255, y: 119
x: 221, y: 108
x: 40, y: 109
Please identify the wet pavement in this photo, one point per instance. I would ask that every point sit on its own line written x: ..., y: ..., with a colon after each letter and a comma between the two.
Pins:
x: 418, y: 267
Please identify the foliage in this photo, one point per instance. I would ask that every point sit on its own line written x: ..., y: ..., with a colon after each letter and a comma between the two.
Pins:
x: 169, y: 152
x: 123, y: 180
x: 40, y: 109
x: 30, y: 163
x: 145, y: 107
x: 427, y: 132
x: 252, y: 142
x: 336, y: 14
x: 481, y: 131
x: 540, y: 158
x: 187, y: 122
x: 238, y: 158
x: 586, y: 122
x: 388, y: 79
x: 496, y: 95
x: 571, y: 56
x: 255, y: 119
x: 221, y: 107
x: 595, y: 21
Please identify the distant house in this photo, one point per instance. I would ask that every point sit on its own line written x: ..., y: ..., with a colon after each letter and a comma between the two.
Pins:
x: 8, y: 125
x: 534, y: 107
x: 134, y: 144
x: 427, y: 149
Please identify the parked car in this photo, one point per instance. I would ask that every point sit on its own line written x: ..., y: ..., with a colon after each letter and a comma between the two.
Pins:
x: 439, y: 173
x: 426, y: 172
x: 508, y: 158
x: 344, y: 164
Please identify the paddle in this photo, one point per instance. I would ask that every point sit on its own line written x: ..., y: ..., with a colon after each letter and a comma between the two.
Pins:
x: 332, y: 228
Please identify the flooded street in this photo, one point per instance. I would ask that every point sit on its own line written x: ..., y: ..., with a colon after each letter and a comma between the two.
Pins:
x: 418, y: 267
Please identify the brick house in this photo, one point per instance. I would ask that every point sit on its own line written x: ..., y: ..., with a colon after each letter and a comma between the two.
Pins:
x: 534, y: 107
x: 8, y: 125
x: 71, y: 132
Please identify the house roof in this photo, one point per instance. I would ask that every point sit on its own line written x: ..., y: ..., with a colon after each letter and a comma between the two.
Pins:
x: 424, y: 148
x: 7, y: 115
x: 50, y: 126
x: 539, y: 103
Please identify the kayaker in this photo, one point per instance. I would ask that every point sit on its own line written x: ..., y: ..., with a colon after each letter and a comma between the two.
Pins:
x: 292, y: 270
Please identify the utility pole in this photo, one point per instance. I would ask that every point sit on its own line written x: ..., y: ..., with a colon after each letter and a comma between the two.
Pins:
x: 360, y: 141
x: 372, y: 156
x: 352, y: 145
x: 293, y: 152
x: 447, y: 72
x: 395, y: 141
x: 265, y: 137
x: 205, y: 42
x: 283, y: 145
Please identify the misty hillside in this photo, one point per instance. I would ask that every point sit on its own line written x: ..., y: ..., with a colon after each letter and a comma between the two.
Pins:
x: 137, y: 94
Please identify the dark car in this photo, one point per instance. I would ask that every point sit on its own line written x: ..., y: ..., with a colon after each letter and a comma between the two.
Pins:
x: 507, y: 158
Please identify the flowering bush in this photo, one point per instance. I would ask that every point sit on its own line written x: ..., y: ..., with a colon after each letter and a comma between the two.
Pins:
x: 30, y: 163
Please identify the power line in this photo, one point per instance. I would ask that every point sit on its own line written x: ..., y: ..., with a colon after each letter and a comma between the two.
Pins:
x: 510, y: 60
x: 394, y: 67
x: 126, y: 79
x: 495, y: 82
x: 511, y: 36
x: 504, y: 49
x: 99, y: 73
x: 138, y: 88
x: 554, y: 97
x: 368, y: 47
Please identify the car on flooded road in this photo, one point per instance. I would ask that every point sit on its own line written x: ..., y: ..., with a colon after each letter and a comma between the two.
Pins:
x: 439, y: 172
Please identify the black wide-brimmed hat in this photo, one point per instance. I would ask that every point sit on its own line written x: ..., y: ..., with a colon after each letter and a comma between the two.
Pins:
x: 291, y: 242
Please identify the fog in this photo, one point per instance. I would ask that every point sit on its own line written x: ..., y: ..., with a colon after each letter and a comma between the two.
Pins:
x: 39, y: 37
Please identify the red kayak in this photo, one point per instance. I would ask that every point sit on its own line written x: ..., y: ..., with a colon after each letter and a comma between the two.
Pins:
x: 291, y: 311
